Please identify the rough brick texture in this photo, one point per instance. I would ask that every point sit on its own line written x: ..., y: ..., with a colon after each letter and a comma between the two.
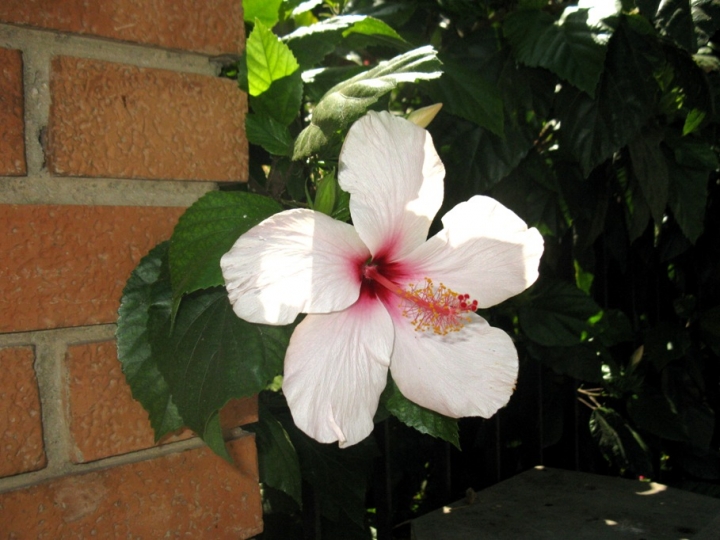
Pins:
x: 12, y: 141
x: 194, y: 494
x: 67, y: 265
x: 211, y: 26
x: 21, y: 441
x: 118, y: 121
x: 104, y: 418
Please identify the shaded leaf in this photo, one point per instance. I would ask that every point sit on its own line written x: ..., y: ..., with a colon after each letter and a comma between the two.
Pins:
x: 581, y: 362
x: 619, y: 443
x: 466, y: 93
x: 706, y: 16
x: 664, y: 343
x: 637, y: 210
x: 689, y: 174
x: 339, y: 476
x: 654, y: 413
x: 651, y: 171
x: 559, y: 314
x: 268, y: 133
x: 349, y: 100
x: 567, y: 47
x: 282, y: 100
x: 277, y: 460
x: 148, y: 285
x: 593, y: 129
x: 675, y: 20
x: 533, y: 193
x: 206, y: 231
x: 422, y: 419
x: 211, y: 356
x: 475, y: 158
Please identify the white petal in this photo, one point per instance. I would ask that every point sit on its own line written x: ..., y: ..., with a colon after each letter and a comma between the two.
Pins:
x: 335, y: 370
x: 471, y: 372
x: 395, y: 179
x: 297, y: 261
x: 485, y: 250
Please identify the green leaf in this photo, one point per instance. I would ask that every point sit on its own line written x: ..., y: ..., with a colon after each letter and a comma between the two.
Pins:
x: 311, y: 44
x: 148, y: 285
x: 568, y: 47
x: 593, y: 129
x: 466, y: 93
x: 559, y: 315
x: 214, y: 438
x: 422, y: 419
x: 349, y: 100
x: 268, y: 133
x: 319, y: 81
x: 370, y: 26
x: 206, y: 231
x: 693, y: 121
x: 268, y: 59
x: 651, y: 171
x: 282, y: 100
x: 277, y: 460
x: 620, y: 444
x: 266, y: 11
x: 211, y: 356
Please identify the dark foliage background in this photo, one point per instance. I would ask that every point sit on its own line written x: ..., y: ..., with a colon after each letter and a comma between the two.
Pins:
x: 605, y: 139
x: 597, y: 126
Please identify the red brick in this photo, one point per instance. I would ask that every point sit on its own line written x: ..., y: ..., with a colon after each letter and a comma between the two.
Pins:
x: 67, y: 265
x: 239, y: 412
x: 21, y: 435
x: 104, y: 418
x: 12, y: 126
x: 193, y: 494
x: 119, y: 121
x: 211, y: 27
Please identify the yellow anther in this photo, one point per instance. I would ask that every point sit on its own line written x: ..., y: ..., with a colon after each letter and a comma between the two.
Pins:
x: 438, y: 309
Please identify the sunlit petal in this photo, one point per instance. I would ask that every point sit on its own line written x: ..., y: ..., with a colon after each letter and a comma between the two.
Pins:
x: 467, y: 373
x: 395, y: 178
x: 485, y: 250
x: 336, y: 369
x: 297, y: 261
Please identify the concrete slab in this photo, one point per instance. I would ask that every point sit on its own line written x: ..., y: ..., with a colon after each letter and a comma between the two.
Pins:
x: 545, y: 503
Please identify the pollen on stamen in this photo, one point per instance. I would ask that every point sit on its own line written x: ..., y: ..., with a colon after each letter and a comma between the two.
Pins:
x: 436, y: 308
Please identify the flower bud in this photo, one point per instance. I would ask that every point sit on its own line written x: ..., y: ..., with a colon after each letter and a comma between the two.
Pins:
x: 326, y: 194
x: 422, y: 117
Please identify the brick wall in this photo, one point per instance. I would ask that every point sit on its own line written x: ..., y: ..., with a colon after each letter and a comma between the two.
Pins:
x: 112, y: 120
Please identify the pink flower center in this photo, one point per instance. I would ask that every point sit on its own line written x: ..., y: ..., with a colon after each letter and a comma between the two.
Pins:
x: 429, y: 307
